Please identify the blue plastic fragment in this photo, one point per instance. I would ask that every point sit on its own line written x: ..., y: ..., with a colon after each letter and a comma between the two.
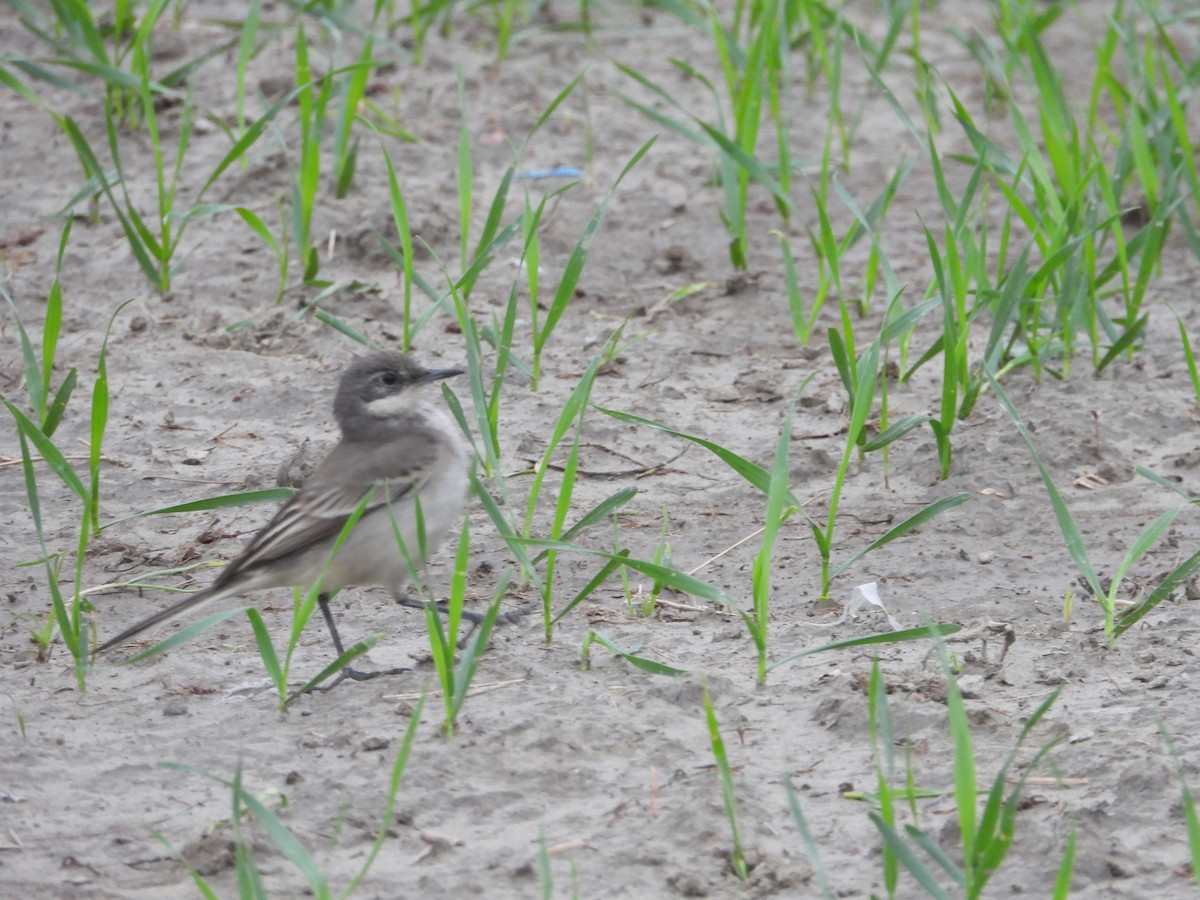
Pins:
x: 556, y: 172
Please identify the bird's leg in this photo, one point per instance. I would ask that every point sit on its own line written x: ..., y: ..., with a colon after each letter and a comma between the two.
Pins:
x: 405, y: 600
x: 473, y: 617
x: 348, y: 671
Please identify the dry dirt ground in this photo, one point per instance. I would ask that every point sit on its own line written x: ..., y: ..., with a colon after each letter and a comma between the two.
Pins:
x: 214, y: 388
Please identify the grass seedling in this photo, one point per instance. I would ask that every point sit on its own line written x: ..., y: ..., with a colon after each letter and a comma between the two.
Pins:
x: 545, y: 870
x: 861, y: 381
x: 829, y: 249
x: 504, y: 14
x: 737, y: 855
x: 756, y: 68
x: 465, y: 171
x: 280, y: 249
x: 761, y: 479
x: 1190, y: 356
x: 155, y: 239
x: 738, y: 166
x: 571, y: 415
x: 351, y: 91
x: 514, y: 528
x: 631, y: 656
x: 83, y: 42
x: 544, y: 327
x: 676, y: 580
x: 387, y: 820
x: 886, y: 637
x: 307, y: 174
x: 491, y: 240
x: 46, y: 403
x: 246, y: 804
x: 883, y: 749
x: 220, y: 501
x: 1068, y: 188
x: 1187, y: 801
x: 421, y: 19
x: 455, y: 678
x: 405, y: 259
x: 662, y: 557
x: 986, y: 834
x: 68, y: 617
x: 1146, y: 540
x: 1062, y: 880
x: 517, y: 530
x: 810, y: 845
x: 246, y: 52
x: 777, y: 513
x: 493, y: 237
x: 486, y: 398
x: 754, y: 43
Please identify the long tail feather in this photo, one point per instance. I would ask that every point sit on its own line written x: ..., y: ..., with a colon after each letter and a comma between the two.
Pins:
x: 187, y: 605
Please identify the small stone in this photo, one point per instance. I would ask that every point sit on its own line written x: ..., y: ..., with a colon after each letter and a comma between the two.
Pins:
x: 970, y: 686
x: 176, y: 706
x: 210, y: 854
x: 375, y: 743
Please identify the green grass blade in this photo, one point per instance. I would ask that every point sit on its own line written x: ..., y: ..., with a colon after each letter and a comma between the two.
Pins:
x: 936, y: 853
x: 1178, y: 576
x: 186, y: 634
x: 1066, y: 522
x: 887, y: 637
x: 48, y: 451
x: 1066, y: 868
x: 221, y: 501
x: 58, y: 406
x: 909, y: 859
x: 737, y: 856
x: 754, y: 474
x: 334, y: 668
x: 386, y: 821
x: 915, y: 521
x: 289, y: 845
x: 1190, y: 356
x: 895, y: 431
x: 1165, y: 483
x: 588, y: 589
x: 668, y: 576
x: 266, y: 650
x: 631, y: 656
x: 810, y: 845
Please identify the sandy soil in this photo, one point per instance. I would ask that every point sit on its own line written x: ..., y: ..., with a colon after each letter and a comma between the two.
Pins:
x: 214, y: 388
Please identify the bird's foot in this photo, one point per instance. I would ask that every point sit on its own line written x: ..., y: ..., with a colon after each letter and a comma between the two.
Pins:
x: 358, y: 675
x: 412, y: 603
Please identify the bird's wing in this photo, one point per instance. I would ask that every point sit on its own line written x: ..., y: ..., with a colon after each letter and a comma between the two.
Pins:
x: 327, y: 501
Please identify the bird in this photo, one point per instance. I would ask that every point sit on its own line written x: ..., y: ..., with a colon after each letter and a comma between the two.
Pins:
x: 401, y: 453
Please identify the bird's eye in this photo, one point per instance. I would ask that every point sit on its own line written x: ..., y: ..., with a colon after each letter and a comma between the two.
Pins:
x: 389, y: 378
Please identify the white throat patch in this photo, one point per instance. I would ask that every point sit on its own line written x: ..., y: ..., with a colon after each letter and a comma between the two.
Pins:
x: 393, y: 404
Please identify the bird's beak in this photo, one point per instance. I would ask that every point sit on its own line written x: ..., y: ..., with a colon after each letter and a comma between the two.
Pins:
x: 439, y: 374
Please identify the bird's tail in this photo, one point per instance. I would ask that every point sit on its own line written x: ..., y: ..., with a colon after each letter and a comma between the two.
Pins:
x: 187, y: 605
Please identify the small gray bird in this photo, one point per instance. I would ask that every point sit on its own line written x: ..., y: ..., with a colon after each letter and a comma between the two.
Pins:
x: 397, y: 447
